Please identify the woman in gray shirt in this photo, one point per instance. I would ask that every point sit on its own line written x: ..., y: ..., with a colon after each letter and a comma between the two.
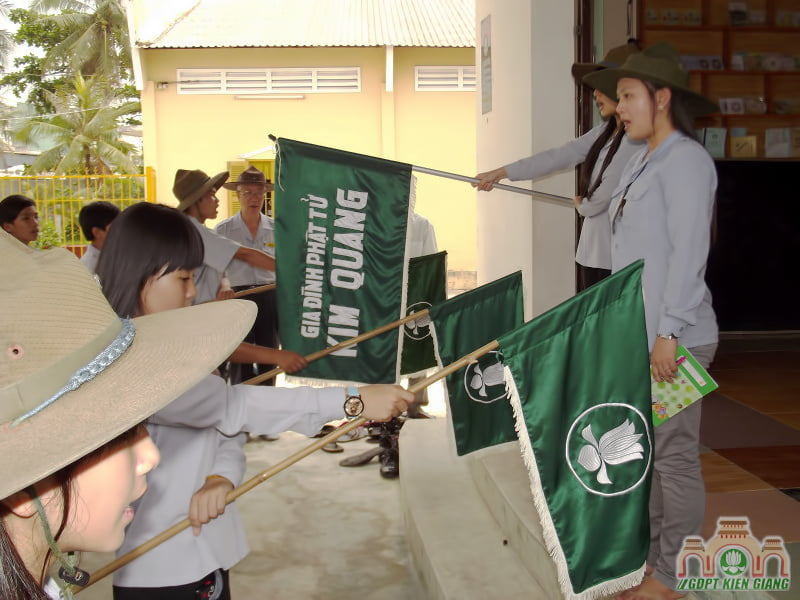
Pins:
x: 661, y: 212
x: 602, y: 154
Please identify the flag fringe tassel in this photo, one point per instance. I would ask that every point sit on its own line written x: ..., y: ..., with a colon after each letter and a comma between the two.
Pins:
x: 596, y: 592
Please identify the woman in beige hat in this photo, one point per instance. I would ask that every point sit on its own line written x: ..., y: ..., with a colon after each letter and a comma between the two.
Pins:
x: 198, y: 434
x: 662, y: 212
x: 75, y: 383
x: 602, y: 154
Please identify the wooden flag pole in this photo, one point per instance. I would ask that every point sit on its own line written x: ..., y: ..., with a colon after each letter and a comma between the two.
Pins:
x: 343, y: 344
x: 255, y: 290
x: 284, y: 464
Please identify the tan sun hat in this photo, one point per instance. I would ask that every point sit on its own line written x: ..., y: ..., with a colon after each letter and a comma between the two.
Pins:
x: 190, y: 186
x: 250, y: 176
x: 659, y: 64
x: 71, y: 379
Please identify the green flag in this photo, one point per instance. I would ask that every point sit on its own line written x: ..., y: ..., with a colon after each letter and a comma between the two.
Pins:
x: 427, y: 285
x: 580, y: 387
x: 340, y: 239
x: 477, y: 393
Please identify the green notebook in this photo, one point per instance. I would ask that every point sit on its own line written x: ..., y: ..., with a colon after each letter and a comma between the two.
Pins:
x: 691, y: 383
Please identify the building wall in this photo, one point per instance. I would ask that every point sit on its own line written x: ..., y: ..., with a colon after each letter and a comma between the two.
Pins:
x: 533, y: 97
x: 435, y: 129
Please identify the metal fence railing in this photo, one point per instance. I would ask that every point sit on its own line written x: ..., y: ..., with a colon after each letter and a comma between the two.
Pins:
x: 59, y: 199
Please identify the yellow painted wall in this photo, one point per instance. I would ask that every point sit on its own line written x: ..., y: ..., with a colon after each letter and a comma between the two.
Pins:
x: 433, y: 129
x: 437, y: 130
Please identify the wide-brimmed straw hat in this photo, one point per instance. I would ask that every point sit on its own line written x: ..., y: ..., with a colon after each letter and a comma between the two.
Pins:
x: 660, y: 64
x: 613, y: 58
x: 192, y: 185
x: 74, y: 376
x: 250, y: 176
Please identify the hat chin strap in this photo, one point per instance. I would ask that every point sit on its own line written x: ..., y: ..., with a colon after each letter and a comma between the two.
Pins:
x: 68, y: 572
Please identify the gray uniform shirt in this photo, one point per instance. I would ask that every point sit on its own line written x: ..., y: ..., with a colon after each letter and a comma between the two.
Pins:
x: 197, y: 436
x: 594, y: 245
x: 666, y: 220
x: 218, y: 253
x: 240, y: 272
x: 90, y: 258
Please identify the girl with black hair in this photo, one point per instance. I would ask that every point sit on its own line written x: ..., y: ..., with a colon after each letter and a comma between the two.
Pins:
x: 76, y: 381
x: 146, y: 269
x: 661, y: 212
x: 602, y: 154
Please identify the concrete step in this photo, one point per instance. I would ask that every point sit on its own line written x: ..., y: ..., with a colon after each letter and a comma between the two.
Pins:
x: 472, y: 528
x: 457, y: 548
x: 502, y: 481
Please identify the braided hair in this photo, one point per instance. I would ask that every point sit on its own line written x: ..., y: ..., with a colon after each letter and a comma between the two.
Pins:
x: 585, y: 186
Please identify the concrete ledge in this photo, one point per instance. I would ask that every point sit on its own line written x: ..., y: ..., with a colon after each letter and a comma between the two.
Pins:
x: 457, y: 548
x: 502, y: 481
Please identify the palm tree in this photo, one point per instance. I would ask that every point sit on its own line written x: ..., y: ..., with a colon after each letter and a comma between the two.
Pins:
x: 83, y: 136
x: 99, y: 42
x: 6, y: 37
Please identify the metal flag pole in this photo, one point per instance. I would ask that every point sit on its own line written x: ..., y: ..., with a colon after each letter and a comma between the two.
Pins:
x: 284, y: 464
x: 543, y: 196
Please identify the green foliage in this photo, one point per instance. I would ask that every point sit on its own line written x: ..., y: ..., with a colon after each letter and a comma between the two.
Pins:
x: 84, y: 131
x: 49, y: 236
x: 33, y: 75
x: 81, y: 87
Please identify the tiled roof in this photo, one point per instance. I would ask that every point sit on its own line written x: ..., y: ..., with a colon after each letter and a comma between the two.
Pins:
x: 278, y: 23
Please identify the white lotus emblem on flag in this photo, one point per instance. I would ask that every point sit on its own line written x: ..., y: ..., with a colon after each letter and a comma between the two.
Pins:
x: 419, y: 328
x: 618, y: 446
x: 484, y: 381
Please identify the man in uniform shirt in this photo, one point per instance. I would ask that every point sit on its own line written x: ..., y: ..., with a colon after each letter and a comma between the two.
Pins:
x: 251, y: 228
x: 196, y: 193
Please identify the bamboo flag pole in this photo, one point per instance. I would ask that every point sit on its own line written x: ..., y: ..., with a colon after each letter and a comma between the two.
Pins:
x: 343, y: 344
x: 282, y: 465
x: 255, y: 290
x: 543, y: 196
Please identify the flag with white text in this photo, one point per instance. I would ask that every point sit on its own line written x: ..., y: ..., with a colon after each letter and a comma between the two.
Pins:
x: 340, y: 239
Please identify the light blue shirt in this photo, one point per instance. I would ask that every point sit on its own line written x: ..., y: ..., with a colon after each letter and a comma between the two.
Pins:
x: 240, y: 272
x: 594, y: 245
x: 90, y: 258
x: 218, y: 252
x: 666, y: 220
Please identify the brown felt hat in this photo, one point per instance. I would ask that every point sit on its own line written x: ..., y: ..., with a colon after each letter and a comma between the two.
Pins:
x: 613, y: 58
x: 190, y: 186
x: 661, y: 65
x: 250, y: 176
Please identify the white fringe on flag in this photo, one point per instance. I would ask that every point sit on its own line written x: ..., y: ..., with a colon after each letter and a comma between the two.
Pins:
x: 596, y: 592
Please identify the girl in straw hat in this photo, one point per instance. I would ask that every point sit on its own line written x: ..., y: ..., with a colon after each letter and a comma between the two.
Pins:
x: 146, y: 268
x: 662, y: 212
x: 602, y: 154
x: 75, y: 383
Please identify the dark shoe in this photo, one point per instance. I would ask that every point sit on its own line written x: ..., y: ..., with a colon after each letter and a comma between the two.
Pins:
x: 390, y: 460
x: 332, y: 447
x: 326, y: 429
x: 360, y: 459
